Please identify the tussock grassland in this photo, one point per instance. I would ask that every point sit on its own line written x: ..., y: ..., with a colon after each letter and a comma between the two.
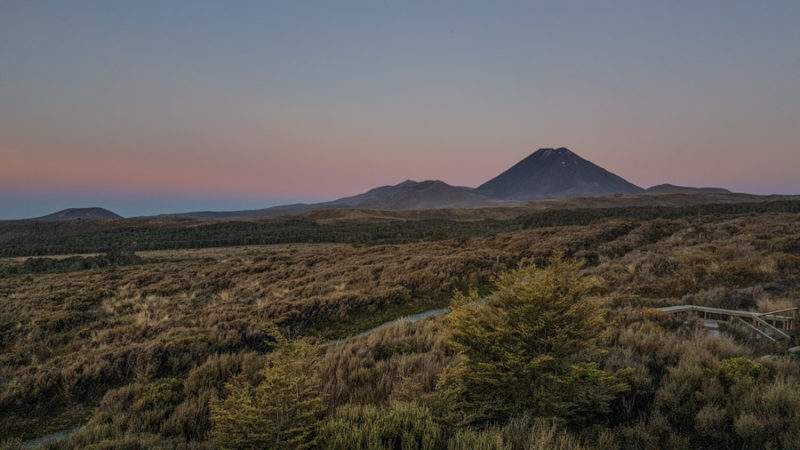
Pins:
x: 138, y: 353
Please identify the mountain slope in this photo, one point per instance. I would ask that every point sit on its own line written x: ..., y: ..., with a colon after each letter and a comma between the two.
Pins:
x: 430, y: 194
x: 78, y: 214
x: 674, y: 188
x: 555, y: 173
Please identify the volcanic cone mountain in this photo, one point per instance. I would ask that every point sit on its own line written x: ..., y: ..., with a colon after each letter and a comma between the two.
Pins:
x: 555, y: 173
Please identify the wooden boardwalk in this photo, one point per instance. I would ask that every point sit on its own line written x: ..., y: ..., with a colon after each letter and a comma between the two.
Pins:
x: 774, y: 325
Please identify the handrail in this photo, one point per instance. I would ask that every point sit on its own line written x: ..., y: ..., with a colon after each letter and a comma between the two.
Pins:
x: 786, y: 336
x: 729, y: 312
x: 758, y: 324
x: 757, y: 330
x: 778, y: 311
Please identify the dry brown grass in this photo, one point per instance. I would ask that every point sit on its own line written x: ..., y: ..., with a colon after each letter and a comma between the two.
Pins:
x: 396, y: 362
x: 70, y: 339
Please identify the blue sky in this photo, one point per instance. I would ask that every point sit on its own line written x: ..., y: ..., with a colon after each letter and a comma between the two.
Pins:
x: 148, y: 107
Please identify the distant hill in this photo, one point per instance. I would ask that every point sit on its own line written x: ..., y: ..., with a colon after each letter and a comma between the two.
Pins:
x: 430, y: 194
x: 555, y: 173
x: 673, y: 188
x: 78, y: 214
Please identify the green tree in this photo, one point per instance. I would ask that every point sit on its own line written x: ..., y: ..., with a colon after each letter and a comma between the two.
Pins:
x: 282, y: 411
x: 528, y: 349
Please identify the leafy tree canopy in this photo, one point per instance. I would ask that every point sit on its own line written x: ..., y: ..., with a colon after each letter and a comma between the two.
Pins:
x: 528, y: 349
x: 282, y: 411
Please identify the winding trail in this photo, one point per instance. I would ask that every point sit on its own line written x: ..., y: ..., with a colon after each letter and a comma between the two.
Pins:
x: 411, y: 318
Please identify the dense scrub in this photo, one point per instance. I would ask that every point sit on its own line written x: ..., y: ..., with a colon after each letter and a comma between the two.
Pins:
x: 143, y: 354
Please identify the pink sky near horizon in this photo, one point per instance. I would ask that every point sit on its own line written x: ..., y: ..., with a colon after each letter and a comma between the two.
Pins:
x: 293, y: 101
x: 348, y: 156
x: 339, y: 176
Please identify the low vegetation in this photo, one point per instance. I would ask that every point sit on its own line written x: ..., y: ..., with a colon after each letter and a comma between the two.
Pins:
x: 23, y: 238
x: 560, y: 346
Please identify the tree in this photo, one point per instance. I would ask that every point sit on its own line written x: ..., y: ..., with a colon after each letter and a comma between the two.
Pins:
x: 282, y: 411
x: 528, y: 349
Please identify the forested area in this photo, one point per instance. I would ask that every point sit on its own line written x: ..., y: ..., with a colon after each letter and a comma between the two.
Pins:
x: 26, y: 238
x: 554, y: 341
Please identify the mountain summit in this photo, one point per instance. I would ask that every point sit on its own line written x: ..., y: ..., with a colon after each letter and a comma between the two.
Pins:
x: 554, y: 173
x: 428, y: 194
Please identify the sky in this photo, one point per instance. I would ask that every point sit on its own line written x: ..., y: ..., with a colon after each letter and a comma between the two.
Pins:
x: 147, y: 107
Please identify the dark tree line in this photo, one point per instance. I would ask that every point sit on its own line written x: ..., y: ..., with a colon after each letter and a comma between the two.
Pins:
x: 38, y: 238
x: 70, y: 264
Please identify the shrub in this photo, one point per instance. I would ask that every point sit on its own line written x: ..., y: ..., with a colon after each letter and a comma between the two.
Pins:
x: 401, y: 425
x: 771, y: 417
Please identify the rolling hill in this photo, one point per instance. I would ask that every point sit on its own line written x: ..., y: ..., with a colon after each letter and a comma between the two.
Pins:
x: 93, y: 213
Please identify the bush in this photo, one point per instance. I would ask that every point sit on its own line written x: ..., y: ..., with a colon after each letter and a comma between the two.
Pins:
x: 771, y: 417
x: 401, y: 425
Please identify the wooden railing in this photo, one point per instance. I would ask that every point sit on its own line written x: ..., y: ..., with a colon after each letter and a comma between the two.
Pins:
x: 774, y: 325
